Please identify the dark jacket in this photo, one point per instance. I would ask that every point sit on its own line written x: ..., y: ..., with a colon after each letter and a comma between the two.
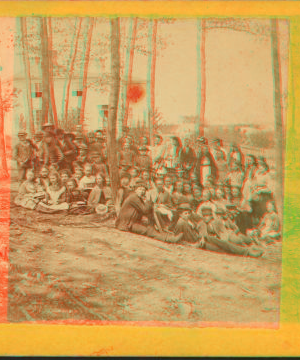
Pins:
x: 132, y: 211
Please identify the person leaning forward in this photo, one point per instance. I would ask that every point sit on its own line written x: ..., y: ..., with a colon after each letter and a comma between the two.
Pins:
x: 132, y: 212
x: 212, y: 238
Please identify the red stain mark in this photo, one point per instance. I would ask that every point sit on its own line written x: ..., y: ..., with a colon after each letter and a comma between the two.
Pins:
x: 135, y: 93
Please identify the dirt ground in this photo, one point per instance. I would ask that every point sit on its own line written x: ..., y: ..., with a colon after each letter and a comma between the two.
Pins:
x: 77, y: 268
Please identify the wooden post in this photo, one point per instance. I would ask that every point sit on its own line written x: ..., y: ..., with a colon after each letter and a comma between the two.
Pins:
x: 113, y: 105
x: 279, y: 130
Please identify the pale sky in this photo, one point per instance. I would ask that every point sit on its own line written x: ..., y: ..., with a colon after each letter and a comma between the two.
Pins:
x: 239, y: 73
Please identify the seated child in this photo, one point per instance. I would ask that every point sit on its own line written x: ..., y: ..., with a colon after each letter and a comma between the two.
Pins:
x: 43, y: 180
x: 99, y: 194
x: 87, y: 182
x: 28, y: 197
x: 269, y: 227
x: 55, y: 200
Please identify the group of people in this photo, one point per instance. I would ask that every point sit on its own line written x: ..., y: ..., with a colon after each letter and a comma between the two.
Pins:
x: 199, y: 194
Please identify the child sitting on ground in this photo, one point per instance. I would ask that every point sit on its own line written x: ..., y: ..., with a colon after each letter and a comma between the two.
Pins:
x: 87, y: 182
x: 269, y: 227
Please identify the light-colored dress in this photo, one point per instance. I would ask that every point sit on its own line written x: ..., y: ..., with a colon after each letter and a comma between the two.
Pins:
x: 28, y: 197
x: 56, y: 201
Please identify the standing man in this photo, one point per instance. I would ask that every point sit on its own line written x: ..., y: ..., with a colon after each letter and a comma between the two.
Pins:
x: 39, y: 151
x: 157, y: 151
x: 187, y: 157
x: 23, y: 154
x: 68, y: 149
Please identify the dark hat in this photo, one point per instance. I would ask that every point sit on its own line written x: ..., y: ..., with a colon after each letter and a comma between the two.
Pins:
x: 39, y: 134
x: 48, y: 125
x: 70, y: 135
x: 185, y: 207
x: 83, y: 146
x: 143, y: 148
x: 215, y: 140
x: 202, y: 140
x: 140, y: 183
x: 158, y: 136
x: 220, y: 211
x: 206, y: 211
x: 98, y: 131
x: 231, y: 207
x: 22, y: 133
x: 59, y: 131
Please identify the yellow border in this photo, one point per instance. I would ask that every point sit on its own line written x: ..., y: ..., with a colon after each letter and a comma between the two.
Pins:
x: 20, y: 339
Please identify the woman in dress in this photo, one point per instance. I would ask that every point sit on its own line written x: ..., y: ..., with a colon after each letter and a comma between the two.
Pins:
x: 55, y: 200
x: 28, y: 196
x: 261, y: 191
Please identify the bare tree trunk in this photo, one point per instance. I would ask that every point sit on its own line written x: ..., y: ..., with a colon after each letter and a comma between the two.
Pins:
x: 27, y: 73
x: 86, y: 67
x: 51, y: 80
x: 113, y: 105
x: 201, y: 74
x: 70, y: 70
x: 151, y: 75
x: 279, y: 130
x: 128, y: 72
x: 45, y: 71
x: 3, y: 163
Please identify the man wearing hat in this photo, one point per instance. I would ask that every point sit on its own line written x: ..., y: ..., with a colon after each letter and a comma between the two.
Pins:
x: 187, y: 156
x: 186, y: 226
x: 157, y: 151
x: 48, y: 127
x: 23, y: 154
x: 126, y: 157
x: 68, y: 149
x: 52, y: 154
x: 39, y: 150
x: 143, y: 160
x: 220, y: 157
x: 214, y: 238
x: 82, y: 156
x: 132, y: 211
x: 205, y: 166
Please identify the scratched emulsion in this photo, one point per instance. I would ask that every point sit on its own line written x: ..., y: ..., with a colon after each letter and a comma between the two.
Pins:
x: 147, y: 170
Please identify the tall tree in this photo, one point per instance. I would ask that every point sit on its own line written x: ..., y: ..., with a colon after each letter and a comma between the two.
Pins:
x: 201, y: 76
x: 113, y: 104
x: 25, y: 52
x: 128, y: 71
x: 151, y: 74
x: 45, y: 71
x: 3, y: 164
x: 51, y: 79
x: 86, y: 66
x: 279, y: 131
x: 70, y: 71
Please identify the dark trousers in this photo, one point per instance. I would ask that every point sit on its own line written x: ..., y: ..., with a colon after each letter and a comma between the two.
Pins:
x: 148, y: 231
x: 214, y: 244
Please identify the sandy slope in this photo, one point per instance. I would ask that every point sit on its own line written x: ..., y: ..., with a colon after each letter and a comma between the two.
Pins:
x: 64, y: 268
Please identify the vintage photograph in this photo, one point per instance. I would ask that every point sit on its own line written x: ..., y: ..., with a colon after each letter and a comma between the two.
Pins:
x: 143, y: 160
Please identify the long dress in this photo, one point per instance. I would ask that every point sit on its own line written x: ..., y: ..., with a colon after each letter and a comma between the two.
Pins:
x: 28, y: 197
x: 56, y: 202
x: 261, y: 193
